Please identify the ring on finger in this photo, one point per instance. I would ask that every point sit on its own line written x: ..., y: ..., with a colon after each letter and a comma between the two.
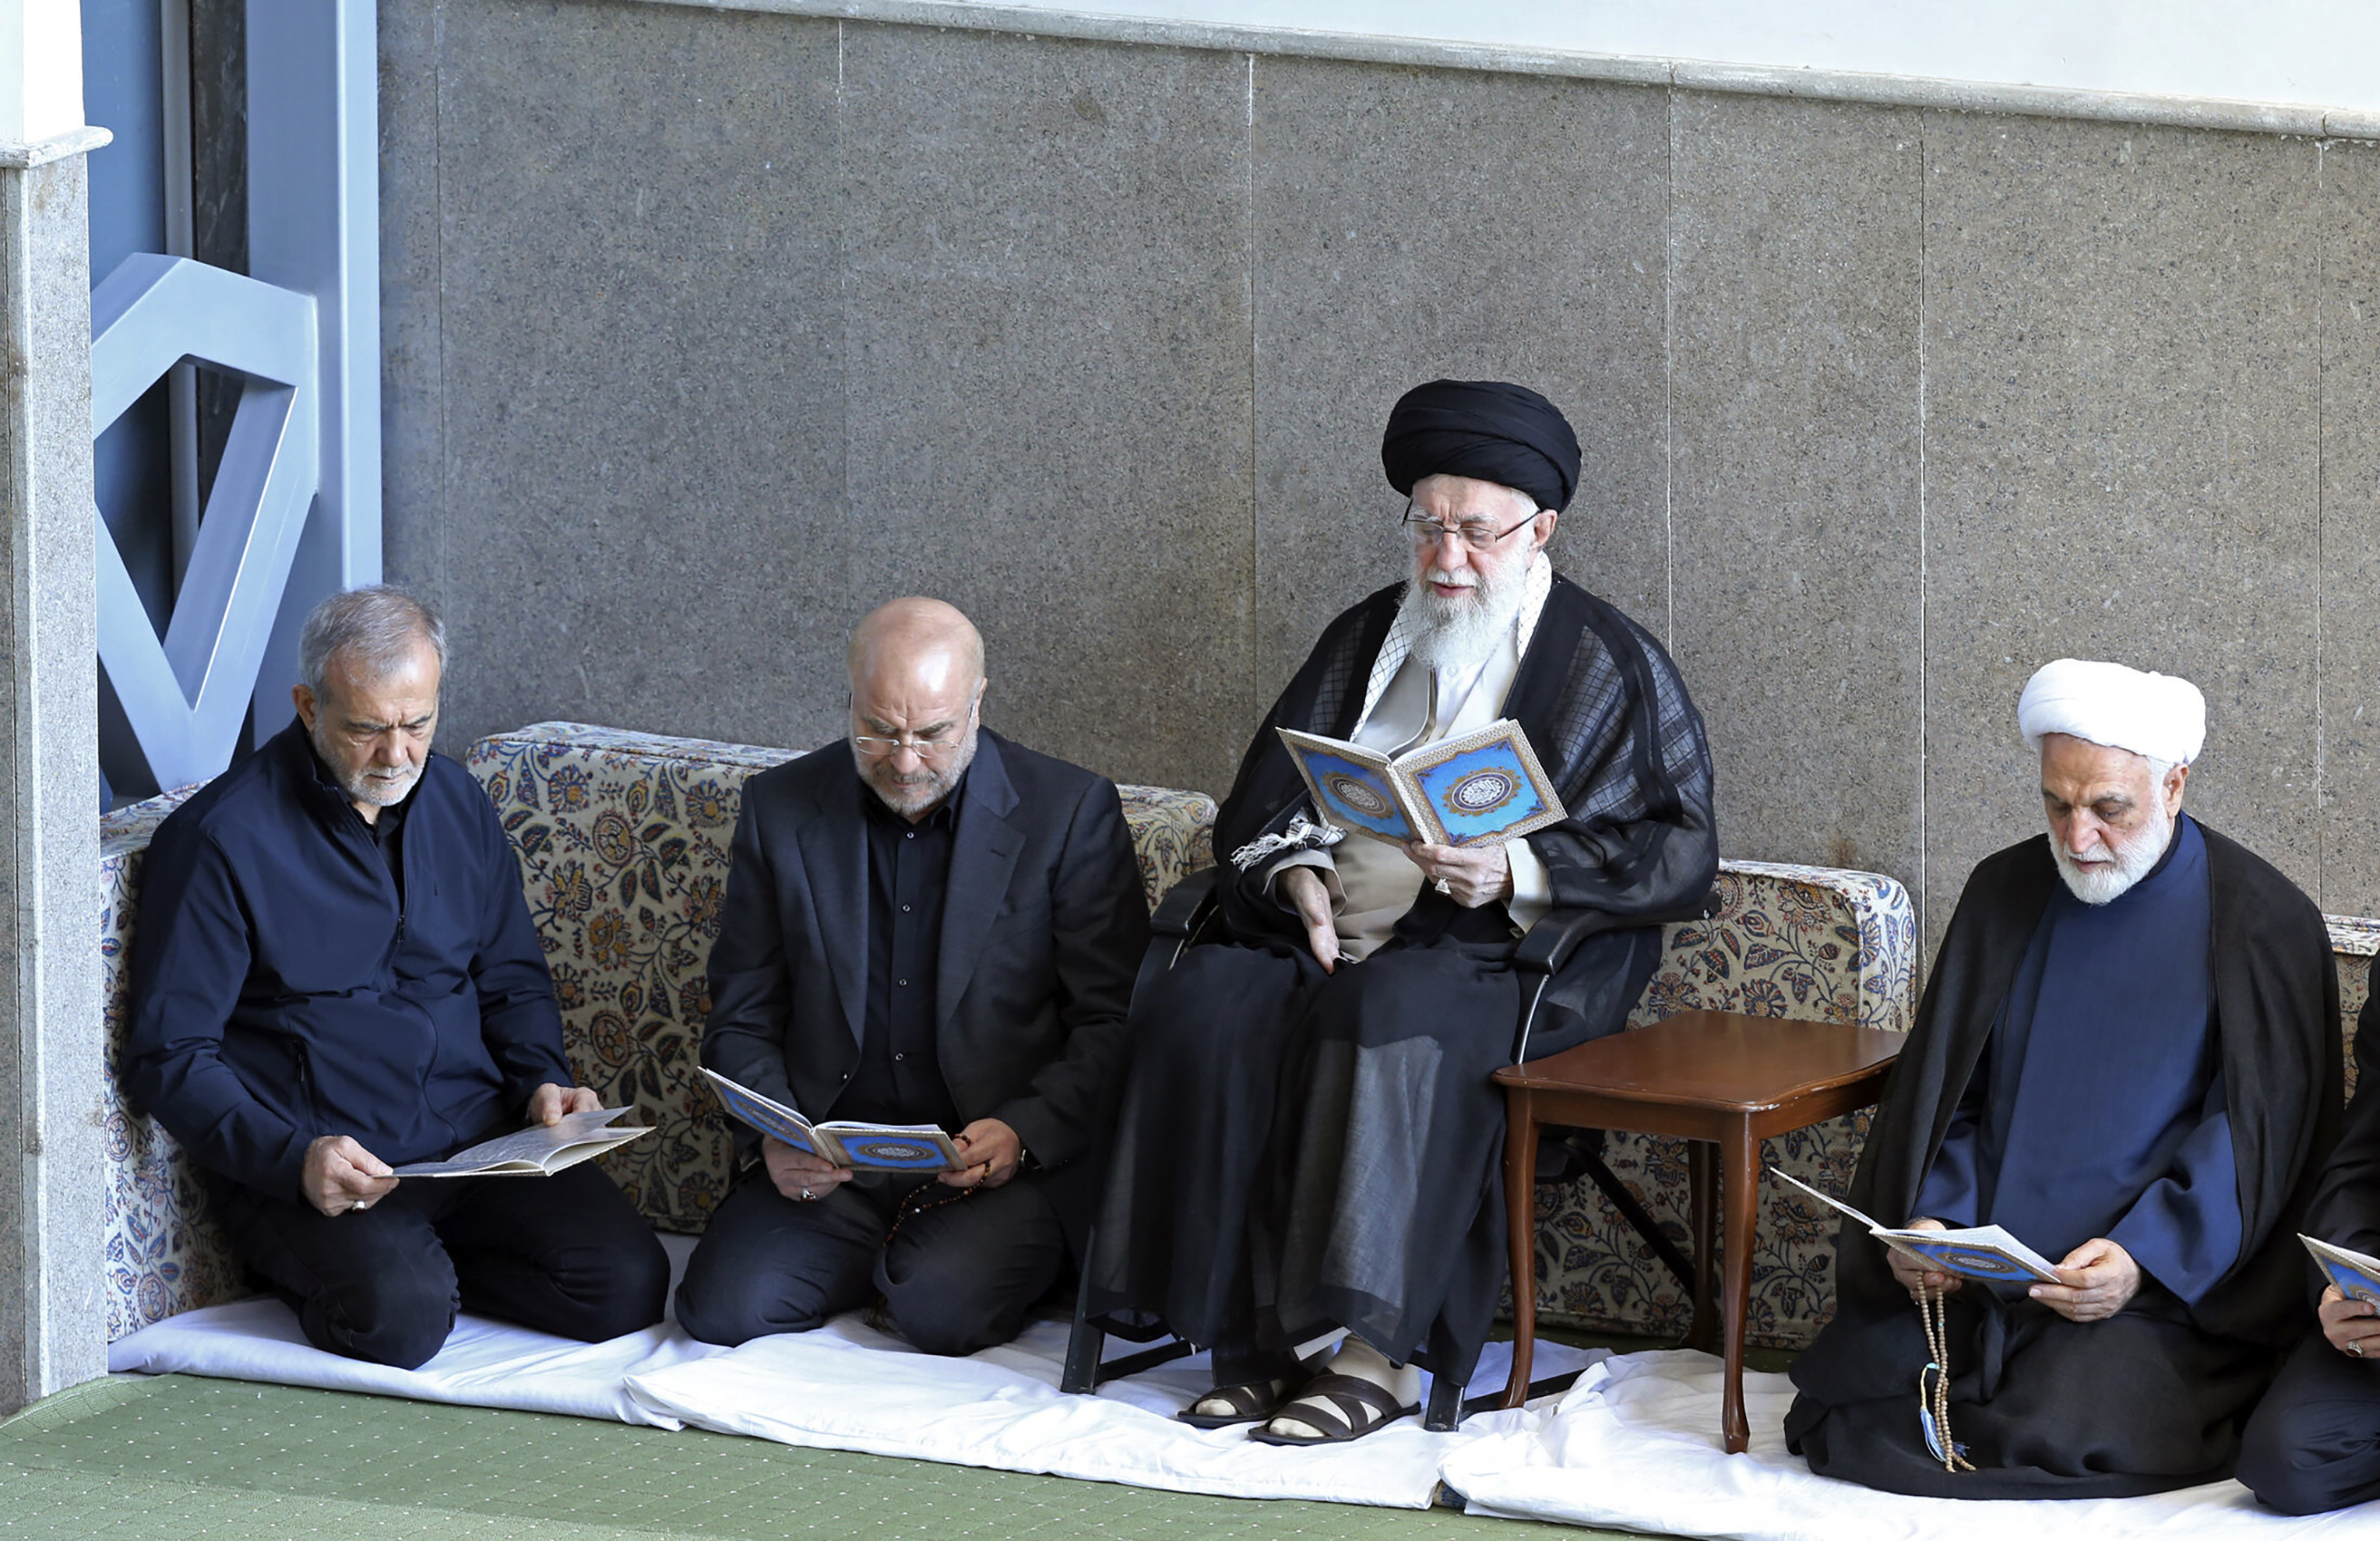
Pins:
x: 2356, y: 1348
x: 1444, y: 886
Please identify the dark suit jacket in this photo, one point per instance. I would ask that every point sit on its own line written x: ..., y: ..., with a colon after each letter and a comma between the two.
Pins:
x: 1043, y: 927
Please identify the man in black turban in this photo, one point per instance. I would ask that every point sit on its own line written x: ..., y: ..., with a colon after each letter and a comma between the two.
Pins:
x: 1308, y: 1138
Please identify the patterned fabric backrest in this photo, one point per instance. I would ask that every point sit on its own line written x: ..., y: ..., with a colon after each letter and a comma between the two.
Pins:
x: 623, y: 840
x: 1813, y: 943
x: 164, y: 1253
x: 2354, y: 940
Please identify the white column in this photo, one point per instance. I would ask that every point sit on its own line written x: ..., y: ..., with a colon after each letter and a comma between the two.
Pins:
x: 52, y: 1195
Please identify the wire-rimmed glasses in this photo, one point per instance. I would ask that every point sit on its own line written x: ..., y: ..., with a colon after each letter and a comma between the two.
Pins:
x: 1478, y: 534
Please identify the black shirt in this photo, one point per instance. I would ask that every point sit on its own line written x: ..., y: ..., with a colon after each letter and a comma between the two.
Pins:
x: 387, y: 832
x: 900, y: 1075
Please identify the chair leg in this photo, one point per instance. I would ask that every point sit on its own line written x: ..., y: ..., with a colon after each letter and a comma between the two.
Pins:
x: 1445, y: 1409
x: 1085, y: 1342
x: 1521, y: 1235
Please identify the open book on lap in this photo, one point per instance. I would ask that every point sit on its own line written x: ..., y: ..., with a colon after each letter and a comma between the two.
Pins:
x: 863, y: 1146
x: 1478, y: 788
x: 540, y: 1150
x: 2357, y: 1274
x: 1985, y: 1252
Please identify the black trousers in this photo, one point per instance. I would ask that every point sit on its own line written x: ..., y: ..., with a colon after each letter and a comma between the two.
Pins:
x: 957, y: 1277
x: 1348, y: 1144
x: 2313, y: 1444
x: 566, y: 1254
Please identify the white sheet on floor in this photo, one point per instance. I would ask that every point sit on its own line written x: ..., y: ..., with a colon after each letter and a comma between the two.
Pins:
x: 847, y: 1386
x: 1635, y: 1446
x: 483, y: 1363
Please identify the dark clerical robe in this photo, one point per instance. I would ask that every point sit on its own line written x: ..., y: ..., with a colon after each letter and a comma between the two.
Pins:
x: 1298, y: 1151
x: 2314, y: 1442
x: 2161, y: 1069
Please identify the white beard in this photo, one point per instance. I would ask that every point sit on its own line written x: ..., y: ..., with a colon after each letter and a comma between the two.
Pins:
x: 1461, y: 633
x: 2098, y: 882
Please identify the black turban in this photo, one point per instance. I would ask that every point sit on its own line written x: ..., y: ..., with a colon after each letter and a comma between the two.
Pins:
x: 1486, y: 429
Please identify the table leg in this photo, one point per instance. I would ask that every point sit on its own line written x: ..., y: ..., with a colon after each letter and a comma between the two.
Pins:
x: 1741, y: 1187
x: 1521, y: 1235
x: 1702, y: 1188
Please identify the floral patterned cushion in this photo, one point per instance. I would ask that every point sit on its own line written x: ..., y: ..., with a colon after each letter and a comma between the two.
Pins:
x: 624, y: 842
x: 1807, y: 942
x: 2354, y: 941
x: 165, y: 1255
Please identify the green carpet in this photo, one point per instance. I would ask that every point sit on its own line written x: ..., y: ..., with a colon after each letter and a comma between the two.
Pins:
x: 226, y: 1460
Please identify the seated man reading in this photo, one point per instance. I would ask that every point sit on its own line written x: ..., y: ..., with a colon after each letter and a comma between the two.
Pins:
x: 2126, y: 1056
x: 1309, y: 1137
x: 2313, y: 1444
x: 335, y: 972
x: 925, y: 924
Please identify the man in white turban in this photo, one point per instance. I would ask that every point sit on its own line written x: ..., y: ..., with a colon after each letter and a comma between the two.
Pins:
x: 2127, y: 1055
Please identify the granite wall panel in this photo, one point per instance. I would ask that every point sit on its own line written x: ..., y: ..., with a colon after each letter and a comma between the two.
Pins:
x: 1418, y: 223
x: 1047, y: 378
x: 2120, y: 449
x: 2348, y: 305
x: 1794, y: 268
x: 640, y: 370
x: 706, y: 330
x: 413, y: 526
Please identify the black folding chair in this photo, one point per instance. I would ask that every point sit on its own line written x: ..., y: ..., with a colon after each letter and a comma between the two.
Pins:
x: 1181, y: 918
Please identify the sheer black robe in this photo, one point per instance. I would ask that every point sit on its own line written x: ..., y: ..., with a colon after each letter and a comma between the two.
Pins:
x: 1297, y: 1151
x: 2153, y: 1398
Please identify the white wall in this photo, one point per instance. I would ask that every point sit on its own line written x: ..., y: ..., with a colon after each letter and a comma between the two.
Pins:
x: 2322, y: 53
x: 40, y: 69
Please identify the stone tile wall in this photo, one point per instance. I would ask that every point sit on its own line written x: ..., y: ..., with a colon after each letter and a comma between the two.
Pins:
x: 707, y: 330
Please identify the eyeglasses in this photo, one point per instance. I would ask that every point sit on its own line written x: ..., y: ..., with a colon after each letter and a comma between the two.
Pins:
x: 939, y: 747
x: 1477, y: 534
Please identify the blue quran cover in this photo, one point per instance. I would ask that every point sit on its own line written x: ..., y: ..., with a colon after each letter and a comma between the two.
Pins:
x: 1477, y: 788
x: 2356, y: 1274
x: 849, y: 1142
x: 1985, y: 1252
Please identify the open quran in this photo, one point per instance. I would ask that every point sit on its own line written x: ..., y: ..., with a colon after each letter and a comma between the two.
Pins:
x: 1477, y: 788
x: 881, y: 1146
x: 540, y: 1150
x: 1985, y: 1252
x: 2356, y: 1274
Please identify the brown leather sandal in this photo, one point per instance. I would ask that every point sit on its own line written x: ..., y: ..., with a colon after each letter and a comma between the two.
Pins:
x: 1343, y: 1407
x: 1252, y: 1402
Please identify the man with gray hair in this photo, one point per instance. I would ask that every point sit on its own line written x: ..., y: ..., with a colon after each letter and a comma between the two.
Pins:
x: 337, y: 973
x: 2127, y: 1055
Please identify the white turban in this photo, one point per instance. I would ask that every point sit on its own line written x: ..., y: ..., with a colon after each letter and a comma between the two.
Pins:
x: 2160, y: 716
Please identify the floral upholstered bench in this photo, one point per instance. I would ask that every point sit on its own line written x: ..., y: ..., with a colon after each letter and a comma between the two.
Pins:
x: 623, y: 840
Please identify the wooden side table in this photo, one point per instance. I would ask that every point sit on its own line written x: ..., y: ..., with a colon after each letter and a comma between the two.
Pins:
x: 1723, y: 1081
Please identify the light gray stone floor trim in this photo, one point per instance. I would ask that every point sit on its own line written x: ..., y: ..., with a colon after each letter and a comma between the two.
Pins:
x: 1830, y: 85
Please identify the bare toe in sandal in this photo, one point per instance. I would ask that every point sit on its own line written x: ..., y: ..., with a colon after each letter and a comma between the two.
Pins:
x: 1343, y: 1407
x: 1248, y: 1402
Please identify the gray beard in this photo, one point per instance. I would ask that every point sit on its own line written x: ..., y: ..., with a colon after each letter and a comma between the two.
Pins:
x: 2104, y: 882
x: 1463, y: 633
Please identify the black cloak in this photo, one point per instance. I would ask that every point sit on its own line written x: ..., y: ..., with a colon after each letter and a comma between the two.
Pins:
x: 2155, y: 1404
x: 2346, y: 1206
x: 1244, y: 1054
